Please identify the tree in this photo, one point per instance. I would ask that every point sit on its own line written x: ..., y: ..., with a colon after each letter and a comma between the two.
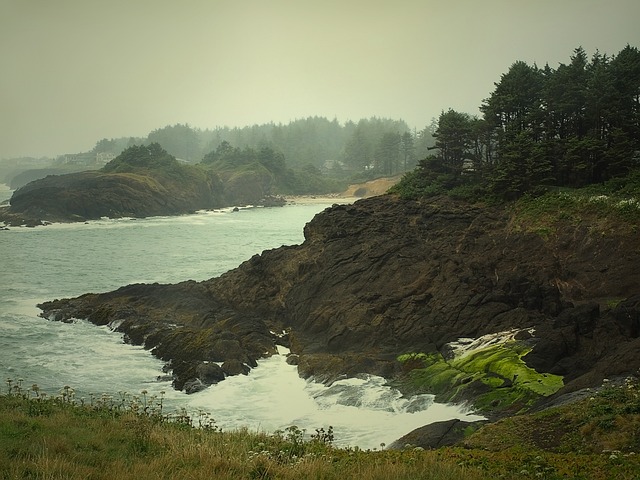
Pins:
x: 180, y: 140
x: 514, y: 104
x: 105, y: 146
x: 388, y: 152
x: 149, y: 157
x: 407, y: 148
x: 523, y: 167
x: 358, y: 151
x: 624, y: 111
x: 272, y: 160
x: 424, y: 139
x: 454, y: 140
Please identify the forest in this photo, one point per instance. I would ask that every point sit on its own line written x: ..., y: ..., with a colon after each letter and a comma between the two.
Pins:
x: 541, y: 129
x: 380, y: 145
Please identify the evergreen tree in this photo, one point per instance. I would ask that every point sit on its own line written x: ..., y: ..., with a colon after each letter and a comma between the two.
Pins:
x: 408, y: 150
x: 454, y: 140
x: 388, y: 153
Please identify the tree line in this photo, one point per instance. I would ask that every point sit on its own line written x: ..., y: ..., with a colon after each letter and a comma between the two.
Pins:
x: 380, y: 146
x: 572, y: 126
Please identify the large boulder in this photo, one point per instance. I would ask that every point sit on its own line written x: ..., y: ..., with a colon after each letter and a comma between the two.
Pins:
x: 235, y: 367
x: 436, y: 435
x: 210, y: 373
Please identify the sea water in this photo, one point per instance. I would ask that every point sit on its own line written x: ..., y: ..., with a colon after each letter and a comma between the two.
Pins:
x: 65, y: 260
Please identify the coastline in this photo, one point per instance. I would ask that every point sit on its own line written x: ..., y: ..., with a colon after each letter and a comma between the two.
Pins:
x: 319, y: 199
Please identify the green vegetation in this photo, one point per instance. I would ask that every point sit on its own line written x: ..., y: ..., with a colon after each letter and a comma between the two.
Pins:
x: 130, y: 436
x: 153, y: 161
x: 265, y: 171
x: 378, y: 145
x: 607, y: 420
x: 614, y: 203
x: 541, y: 129
x: 495, y: 376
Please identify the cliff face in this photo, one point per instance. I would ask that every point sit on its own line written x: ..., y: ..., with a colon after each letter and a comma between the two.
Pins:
x: 95, y: 194
x: 385, y: 277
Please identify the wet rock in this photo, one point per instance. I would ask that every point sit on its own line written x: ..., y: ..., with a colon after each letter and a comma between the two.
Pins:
x: 384, y: 277
x: 293, y: 359
x: 210, y: 373
x: 194, y: 386
x: 235, y: 367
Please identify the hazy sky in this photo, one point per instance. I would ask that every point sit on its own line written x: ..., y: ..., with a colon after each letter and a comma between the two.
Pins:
x: 75, y: 71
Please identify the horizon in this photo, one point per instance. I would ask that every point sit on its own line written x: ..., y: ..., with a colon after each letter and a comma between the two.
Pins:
x: 75, y: 73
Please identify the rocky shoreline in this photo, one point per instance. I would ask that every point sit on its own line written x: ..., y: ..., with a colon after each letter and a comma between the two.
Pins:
x: 385, y: 277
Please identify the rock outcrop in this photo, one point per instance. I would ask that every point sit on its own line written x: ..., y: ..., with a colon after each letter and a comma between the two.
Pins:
x: 143, y: 181
x: 385, y: 277
x: 94, y: 194
x: 435, y: 435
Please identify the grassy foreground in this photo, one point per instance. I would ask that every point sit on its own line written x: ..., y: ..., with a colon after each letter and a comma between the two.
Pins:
x: 60, y: 437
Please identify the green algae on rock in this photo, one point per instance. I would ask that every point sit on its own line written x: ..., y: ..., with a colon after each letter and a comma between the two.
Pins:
x: 493, y: 376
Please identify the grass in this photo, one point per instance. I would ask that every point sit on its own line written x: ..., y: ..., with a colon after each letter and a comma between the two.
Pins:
x: 60, y: 437
x: 610, y: 206
x: 603, y: 208
x: 130, y: 437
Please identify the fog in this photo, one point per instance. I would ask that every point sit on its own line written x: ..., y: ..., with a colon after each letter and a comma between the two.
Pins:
x: 76, y: 71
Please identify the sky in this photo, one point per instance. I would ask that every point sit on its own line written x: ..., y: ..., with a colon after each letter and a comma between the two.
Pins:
x: 75, y: 71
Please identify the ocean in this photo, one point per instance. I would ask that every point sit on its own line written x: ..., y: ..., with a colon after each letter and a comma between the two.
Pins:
x: 67, y: 260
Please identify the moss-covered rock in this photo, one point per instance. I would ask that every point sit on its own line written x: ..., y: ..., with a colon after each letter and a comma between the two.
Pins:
x: 494, y: 378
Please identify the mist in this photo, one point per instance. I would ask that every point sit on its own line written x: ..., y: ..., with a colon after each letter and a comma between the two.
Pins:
x: 75, y: 71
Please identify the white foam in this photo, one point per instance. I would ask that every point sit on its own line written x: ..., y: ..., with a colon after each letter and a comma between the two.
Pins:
x: 465, y: 346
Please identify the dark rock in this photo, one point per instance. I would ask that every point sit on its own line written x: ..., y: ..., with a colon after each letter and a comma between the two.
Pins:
x: 209, y: 373
x: 523, y: 335
x: 273, y: 201
x: 161, y: 187
x: 77, y: 197
x: 194, y: 386
x: 627, y: 314
x: 583, y: 318
x: 235, y: 367
x: 386, y: 276
x: 436, y: 435
x: 293, y: 359
x: 223, y: 349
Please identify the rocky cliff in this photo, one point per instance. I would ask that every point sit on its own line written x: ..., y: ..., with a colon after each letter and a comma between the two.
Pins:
x: 385, y: 285
x: 95, y: 194
x: 143, y: 181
